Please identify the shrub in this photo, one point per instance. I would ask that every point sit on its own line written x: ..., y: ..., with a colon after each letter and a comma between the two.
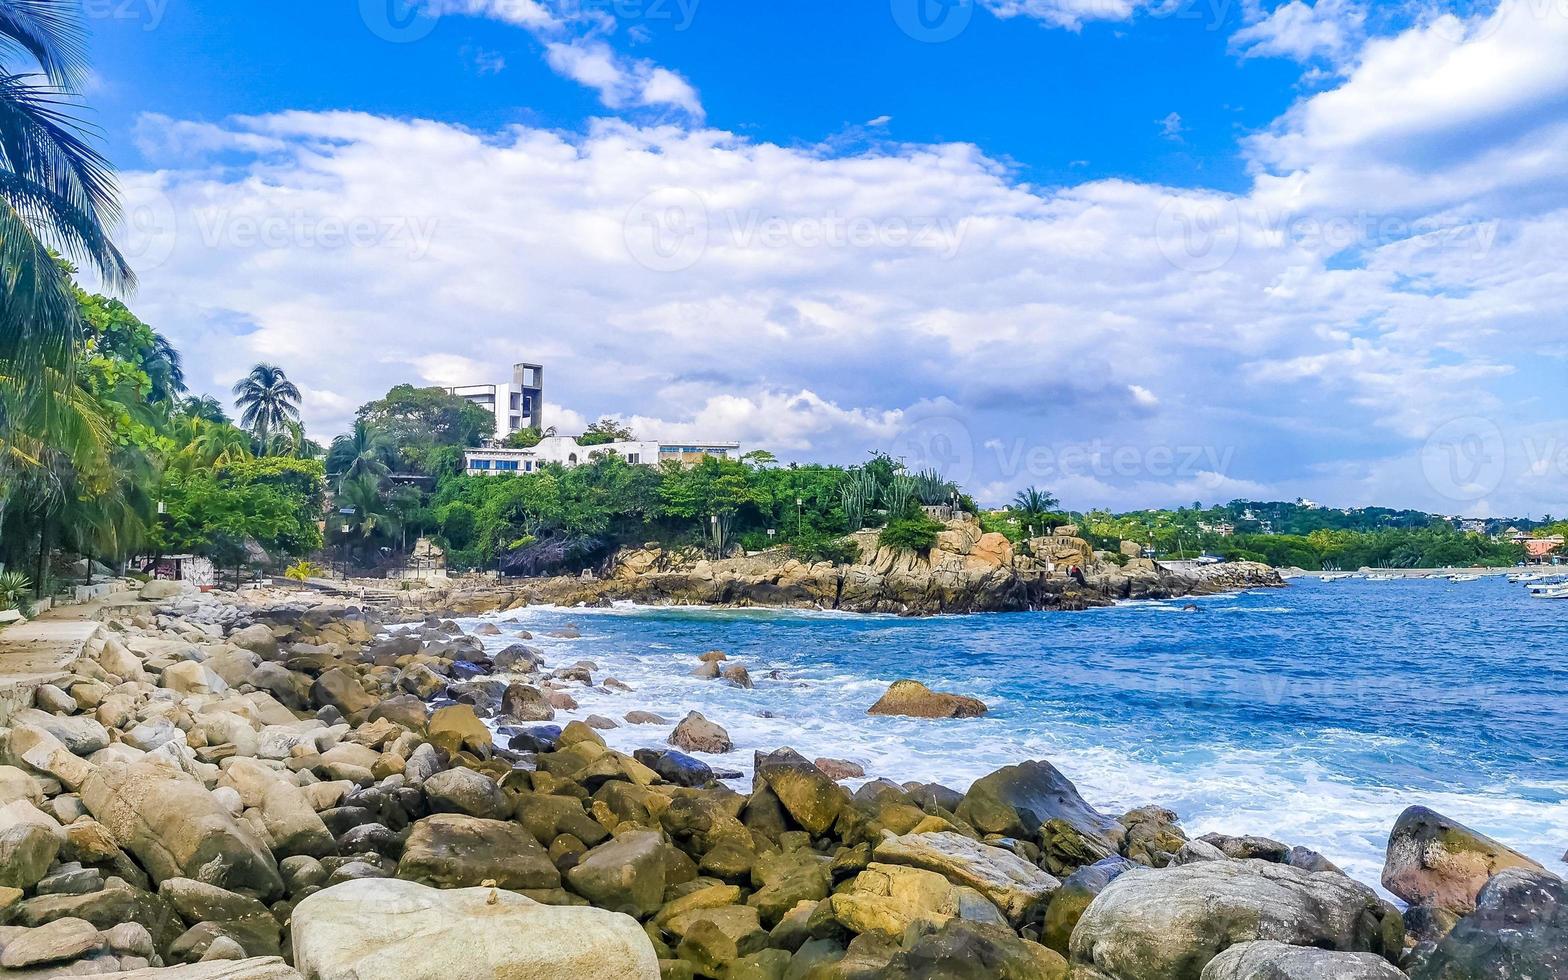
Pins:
x: 812, y: 547
x: 917, y: 533
x: 302, y: 570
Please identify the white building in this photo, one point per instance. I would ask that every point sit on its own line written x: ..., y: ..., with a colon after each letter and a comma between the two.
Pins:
x: 565, y: 450
x: 516, y: 406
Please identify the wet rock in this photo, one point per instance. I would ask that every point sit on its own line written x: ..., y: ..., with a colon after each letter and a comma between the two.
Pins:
x: 890, y: 898
x: 1076, y: 892
x: 1016, y: 801
x: 697, y: 734
x: 675, y: 767
x: 837, y: 769
x: 1433, y: 860
x: 1519, y: 928
x: 738, y: 675
x: 804, y: 791
x: 626, y: 874
x: 913, y: 699
x: 644, y: 718
x: 525, y: 703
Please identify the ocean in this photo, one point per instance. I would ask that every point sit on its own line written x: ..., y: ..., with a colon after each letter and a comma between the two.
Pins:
x: 1312, y: 714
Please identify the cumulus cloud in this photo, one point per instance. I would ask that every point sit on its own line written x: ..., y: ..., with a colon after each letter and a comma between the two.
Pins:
x: 1315, y: 332
x: 1329, y: 30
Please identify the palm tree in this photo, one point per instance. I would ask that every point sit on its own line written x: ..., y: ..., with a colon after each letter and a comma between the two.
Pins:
x: 204, y: 407
x: 1033, y: 504
x: 56, y: 192
x: 366, y: 513
x: 364, y: 450
x: 267, y: 401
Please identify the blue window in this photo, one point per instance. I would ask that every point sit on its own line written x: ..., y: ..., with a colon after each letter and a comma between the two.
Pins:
x: 506, y: 464
x: 480, y: 464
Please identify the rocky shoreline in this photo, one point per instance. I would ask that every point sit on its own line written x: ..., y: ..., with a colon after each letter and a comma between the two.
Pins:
x: 260, y: 787
x: 968, y: 571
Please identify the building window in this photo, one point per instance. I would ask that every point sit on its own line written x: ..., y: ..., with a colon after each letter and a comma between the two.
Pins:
x: 634, y: 458
x: 572, y: 459
x: 507, y: 464
x: 479, y: 464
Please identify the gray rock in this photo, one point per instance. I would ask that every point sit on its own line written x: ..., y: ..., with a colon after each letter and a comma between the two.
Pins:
x: 1017, y: 800
x: 1433, y: 860
x: 1167, y: 924
x: 79, y: 734
x: 697, y: 734
x: 1069, y: 901
x: 465, y: 791
x: 1519, y: 929
x: 1269, y: 960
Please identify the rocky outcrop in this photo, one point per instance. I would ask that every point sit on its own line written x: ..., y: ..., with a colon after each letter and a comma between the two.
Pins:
x: 1033, y: 799
x: 388, y: 928
x: 915, y: 700
x: 967, y: 571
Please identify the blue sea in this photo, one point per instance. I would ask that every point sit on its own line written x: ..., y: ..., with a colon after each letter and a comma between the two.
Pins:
x: 1312, y: 714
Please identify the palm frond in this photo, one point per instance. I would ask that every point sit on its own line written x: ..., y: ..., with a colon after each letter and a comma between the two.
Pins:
x: 50, y: 31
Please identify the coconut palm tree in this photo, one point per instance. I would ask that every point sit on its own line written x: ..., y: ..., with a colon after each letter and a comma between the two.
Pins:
x: 267, y: 401
x: 364, y: 450
x: 203, y: 407
x: 56, y: 194
x: 1033, y: 504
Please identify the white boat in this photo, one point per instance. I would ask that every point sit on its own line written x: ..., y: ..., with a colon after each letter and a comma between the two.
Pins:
x: 1336, y: 576
x: 1381, y: 578
x: 1464, y: 578
x: 1556, y: 592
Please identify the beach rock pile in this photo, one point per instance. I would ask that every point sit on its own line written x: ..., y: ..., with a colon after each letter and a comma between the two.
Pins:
x: 310, y: 795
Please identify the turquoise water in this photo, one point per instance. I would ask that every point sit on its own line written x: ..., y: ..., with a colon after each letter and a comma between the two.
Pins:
x: 1312, y: 714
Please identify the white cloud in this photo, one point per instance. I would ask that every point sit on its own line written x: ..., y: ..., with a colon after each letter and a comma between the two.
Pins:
x: 1303, y: 335
x: 1171, y: 127
x: 1071, y: 14
x: 1326, y: 29
x: 573, y: 36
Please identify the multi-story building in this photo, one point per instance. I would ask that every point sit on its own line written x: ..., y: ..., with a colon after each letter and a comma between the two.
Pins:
x: 516, y: 406
x: 493, y: 460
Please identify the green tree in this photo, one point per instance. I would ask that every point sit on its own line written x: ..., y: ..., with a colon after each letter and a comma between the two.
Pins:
x: 267, y: 401
x: 364, y: 450
x: 428, y: 427
x: 606, y: 430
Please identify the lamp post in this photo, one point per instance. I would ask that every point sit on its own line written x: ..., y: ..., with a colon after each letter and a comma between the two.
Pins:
x: 499, y: 544
x: 799, y: 503
x: 771, y: 532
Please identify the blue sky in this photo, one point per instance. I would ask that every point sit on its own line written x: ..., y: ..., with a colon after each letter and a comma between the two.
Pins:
x: 1137, y: 252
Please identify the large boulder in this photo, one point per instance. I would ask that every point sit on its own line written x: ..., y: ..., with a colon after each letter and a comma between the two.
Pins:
x: 176, y: 829
x: 697, y: 734
x: 255, y: 968
x: 466, y: 791
x: 1168, y: 924
x: 1015, y: 886
x: 1438, y: 862
x: 966, y: 950
x: 340, y: 688
x: 29, y: 841
x: 1270, y: 960
x: 810, y: 797
x: 451, y: 850
x: 390, y: 928
x: 79, y: 734
x: 1016, y: 801
x: 257, y: 638
x: 890, y: 898
x: 1078, y: 890
x: 523, y: 702
x: 627, y: 874
x: 915, y: 700
x: 1519, y: 929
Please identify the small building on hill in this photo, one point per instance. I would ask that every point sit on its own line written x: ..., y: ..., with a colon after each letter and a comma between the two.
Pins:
x: 567, y: 451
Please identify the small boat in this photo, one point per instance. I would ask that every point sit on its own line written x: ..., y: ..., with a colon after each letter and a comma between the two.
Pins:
x: 1336, y: 576
x: 1556, y: 592
x: 1381, y: 578
x: 1464, y: 578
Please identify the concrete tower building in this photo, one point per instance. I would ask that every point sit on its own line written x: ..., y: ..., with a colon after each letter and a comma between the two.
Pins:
x: 516, y: 406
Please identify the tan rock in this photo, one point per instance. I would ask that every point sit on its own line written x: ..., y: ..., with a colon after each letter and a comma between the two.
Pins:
x: 915, y: 700
x: 390, y: 928
x: 890, y: 898
x: 1436, y: 861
